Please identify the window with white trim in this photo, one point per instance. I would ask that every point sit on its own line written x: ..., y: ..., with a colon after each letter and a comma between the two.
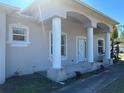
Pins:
x: 63, y: 45
x: 100, y: 46
x: 18, y: 34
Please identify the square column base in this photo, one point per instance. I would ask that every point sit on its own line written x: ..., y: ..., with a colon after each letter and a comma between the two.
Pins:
x: 107, y: 62
x: 56, y: 74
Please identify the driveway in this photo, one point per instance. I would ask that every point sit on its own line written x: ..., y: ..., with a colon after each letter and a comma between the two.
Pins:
x: 94, y: 83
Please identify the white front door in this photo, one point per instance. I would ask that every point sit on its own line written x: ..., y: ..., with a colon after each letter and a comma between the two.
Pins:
x: 81, y: 49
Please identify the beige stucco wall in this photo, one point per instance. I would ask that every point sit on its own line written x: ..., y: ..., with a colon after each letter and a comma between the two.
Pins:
x: 36, y: 57
x: 23, y: 59
x: 72, y: 29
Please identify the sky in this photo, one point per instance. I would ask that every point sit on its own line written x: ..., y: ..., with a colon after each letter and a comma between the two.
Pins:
x: 111, y: 8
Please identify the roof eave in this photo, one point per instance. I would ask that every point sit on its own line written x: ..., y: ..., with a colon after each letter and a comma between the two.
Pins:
x: 8, y: 8
x: 101, y: 13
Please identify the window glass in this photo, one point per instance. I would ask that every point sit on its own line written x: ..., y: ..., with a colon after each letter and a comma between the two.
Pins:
x: 19, y: 31
x: 19, y: 34
x: 63, y: 45
x: 18, y: 38
x: 100, y: 46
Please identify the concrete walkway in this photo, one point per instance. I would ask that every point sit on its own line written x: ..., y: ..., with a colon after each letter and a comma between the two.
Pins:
x: 94, y: 83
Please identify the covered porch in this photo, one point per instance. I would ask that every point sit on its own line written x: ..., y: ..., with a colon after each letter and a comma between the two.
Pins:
x: 88, y: 53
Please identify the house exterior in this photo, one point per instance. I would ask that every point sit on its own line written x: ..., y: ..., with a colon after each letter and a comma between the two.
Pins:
x: 56, y: 36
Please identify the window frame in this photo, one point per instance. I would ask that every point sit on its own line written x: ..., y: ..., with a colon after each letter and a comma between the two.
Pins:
x: 64, y: 45
x: 17, y: 43
x: 62, y: 57
x: 100, y: 46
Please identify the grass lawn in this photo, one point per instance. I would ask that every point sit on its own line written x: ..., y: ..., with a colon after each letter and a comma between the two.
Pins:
x: 36, y: 83
x: 29, y: 84
x: 115, y: 87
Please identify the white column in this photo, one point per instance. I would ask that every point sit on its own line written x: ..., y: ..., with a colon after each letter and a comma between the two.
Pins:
x: 2, y: 46
x: 90, y: 55
x: 107, y: 45
x: 56, y: 32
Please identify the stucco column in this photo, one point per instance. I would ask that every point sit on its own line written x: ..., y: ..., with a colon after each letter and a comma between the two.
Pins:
x: 90, y: 55
x: 2, y: 46
x: 107, y: 45
x: 56, y: 32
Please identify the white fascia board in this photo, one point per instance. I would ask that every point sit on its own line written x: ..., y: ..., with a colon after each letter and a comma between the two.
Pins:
x: 98, y: 12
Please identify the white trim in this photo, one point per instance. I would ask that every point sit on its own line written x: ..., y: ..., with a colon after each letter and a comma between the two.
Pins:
x: 96, y: 11
x: 9, y: 6
x: 63, y: 57
x: 18, y: 43
x: 103, y: 46
x: 77, y: 37
x: 2, y: 48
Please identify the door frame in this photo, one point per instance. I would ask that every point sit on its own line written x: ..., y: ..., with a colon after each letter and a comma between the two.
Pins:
x: 77, y: 38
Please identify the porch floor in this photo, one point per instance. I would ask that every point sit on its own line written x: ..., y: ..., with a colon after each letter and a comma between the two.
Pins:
x: 82, y: 67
